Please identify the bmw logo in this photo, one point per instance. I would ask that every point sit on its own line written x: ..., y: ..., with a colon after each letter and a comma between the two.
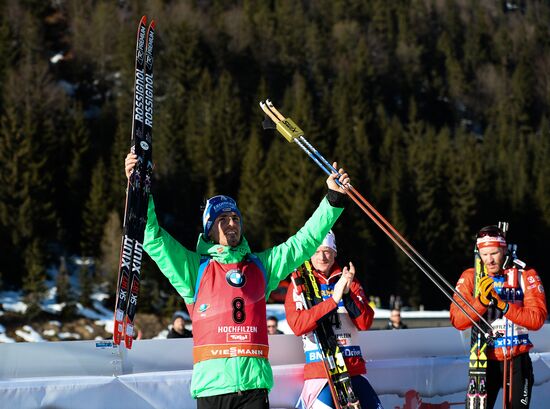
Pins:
x: 144, y: 145
x: 235, y: 278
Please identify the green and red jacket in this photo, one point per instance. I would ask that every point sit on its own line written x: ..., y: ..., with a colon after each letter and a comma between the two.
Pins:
x: 181, y: 266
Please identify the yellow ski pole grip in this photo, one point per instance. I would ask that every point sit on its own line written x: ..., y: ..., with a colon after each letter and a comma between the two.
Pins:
x: 289, y: 129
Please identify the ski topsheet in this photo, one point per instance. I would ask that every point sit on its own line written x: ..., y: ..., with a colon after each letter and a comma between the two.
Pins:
x: 476, y: 395
x: 333, y: 359
x: 139, y: 187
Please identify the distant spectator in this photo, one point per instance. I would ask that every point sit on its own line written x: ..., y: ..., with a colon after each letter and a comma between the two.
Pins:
x: 396, y: 302
x: 178, y: 327
x: 272, y: 323
x: 395, y: 320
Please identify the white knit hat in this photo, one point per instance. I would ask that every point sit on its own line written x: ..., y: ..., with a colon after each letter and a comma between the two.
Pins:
x: 330, y: 241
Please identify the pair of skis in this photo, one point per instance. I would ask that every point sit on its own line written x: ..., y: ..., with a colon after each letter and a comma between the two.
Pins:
x: 338, y: 377
x: 139, y: 187
x: 476, y: 394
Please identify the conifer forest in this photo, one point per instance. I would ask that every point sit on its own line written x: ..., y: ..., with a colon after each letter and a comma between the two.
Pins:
x: 438, y: 109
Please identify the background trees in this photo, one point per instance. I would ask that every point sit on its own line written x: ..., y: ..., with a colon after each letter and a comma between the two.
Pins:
x: 439, y: 110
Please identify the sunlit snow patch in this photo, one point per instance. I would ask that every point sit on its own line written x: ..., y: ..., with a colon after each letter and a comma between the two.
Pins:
x: 29, y: 334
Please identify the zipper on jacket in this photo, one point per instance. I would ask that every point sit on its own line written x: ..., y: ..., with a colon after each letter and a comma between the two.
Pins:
x: 238, y: 377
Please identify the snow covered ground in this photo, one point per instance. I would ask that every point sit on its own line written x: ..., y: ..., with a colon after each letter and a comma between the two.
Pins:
x: 12, y: 301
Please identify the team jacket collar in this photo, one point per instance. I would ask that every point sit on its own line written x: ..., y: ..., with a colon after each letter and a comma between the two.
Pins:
x: 223, y: 254
x: 335, y: 272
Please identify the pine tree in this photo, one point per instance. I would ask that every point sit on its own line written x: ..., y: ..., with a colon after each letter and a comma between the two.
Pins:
x: 523, y: 86
x: 288, y: 36
x: 64, y: 293
x: 214, y: 134
x: 454, y: 76
x: 76, y: 178
x: 181, y: 68
x: 349, y: 118
x: 30, y: 106
x: 295, y: 182
x: 62, y: 282
x: 85, y: 280
x: 464, y: 173
x: 108, y: 265
x: 6, y: 50
x: 253, y: 191
x: 428, y: 155
x: 540, y: 147
x: 95, y: 212
x: 33, y: 285
x: 14, y: 147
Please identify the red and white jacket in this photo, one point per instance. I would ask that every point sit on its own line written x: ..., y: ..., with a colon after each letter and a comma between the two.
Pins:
x: 524, y: 292
x: 354, y: 313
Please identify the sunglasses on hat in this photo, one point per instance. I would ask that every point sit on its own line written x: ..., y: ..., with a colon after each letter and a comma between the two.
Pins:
x: 490, y: 231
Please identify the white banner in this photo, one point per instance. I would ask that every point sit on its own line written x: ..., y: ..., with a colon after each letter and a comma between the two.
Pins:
x: 429, y: 365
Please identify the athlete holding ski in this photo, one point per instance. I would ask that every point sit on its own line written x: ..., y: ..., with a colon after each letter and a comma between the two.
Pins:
x: 511, y: 297
x: 225, y: 287
x: 345, y: 304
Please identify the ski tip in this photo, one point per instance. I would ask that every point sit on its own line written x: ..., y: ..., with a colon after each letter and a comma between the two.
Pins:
x: 143, y: 20
x: 152, y: 25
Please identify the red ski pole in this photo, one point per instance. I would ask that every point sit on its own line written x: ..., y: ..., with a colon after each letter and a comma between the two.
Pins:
x: 293, y: 133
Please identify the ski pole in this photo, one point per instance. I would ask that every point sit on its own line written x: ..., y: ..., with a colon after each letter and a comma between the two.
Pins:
x: 509, y: 362
x: 509, y: 331
x: 293, y: 133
